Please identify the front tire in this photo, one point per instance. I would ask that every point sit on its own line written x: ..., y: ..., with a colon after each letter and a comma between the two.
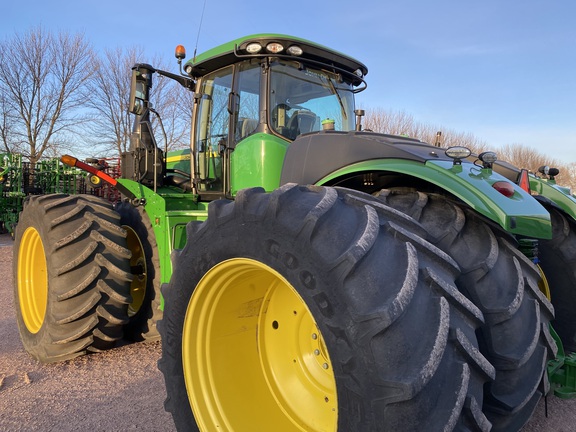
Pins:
x: 71, y: 276
x: 310, y: 309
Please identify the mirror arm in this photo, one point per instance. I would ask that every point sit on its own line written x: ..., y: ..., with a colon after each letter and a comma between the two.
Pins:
x: 185, y: 82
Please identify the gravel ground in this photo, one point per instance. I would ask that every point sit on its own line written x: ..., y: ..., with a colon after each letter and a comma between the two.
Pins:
x: 119, y: 390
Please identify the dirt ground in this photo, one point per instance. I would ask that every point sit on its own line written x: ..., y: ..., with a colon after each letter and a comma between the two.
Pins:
x: 119, y: 390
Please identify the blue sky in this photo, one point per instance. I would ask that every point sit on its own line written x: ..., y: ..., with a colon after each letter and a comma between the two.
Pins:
x: 501, y: 70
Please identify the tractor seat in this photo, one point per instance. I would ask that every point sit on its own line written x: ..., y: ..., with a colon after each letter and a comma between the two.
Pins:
x: 247, y: 126
x: 303, y: 121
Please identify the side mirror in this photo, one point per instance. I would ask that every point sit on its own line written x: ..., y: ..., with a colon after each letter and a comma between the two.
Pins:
x: 137, y: 94
x: 140, y: 86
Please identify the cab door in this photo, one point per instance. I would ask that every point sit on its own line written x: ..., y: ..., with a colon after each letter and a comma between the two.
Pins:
x: 212, y: 126
x: 228, y: 107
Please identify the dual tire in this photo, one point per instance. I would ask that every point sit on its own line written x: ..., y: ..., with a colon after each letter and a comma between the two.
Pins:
x: 503, y: 283
x: 72, y: 276
x: 86, y: 275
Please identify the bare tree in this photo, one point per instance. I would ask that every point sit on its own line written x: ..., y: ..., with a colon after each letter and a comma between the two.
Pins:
x: 526, y: 157
x: 174, y: 104
x: 567, y: 176
x: 6, y: 124
x: 401, y: 123
x: 109, y: 94
x: 389, y: 122
x: 41, y: 77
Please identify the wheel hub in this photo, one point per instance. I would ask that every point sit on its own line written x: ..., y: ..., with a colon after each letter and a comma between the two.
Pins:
x: 253, y: 356
x: 32, y: 280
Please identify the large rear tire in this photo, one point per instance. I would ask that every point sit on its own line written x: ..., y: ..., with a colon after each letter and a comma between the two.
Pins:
x: 503, y: 283
x: 309, y: 309
x: 558, y: 261
x: 71, y: 276
x: 144, y: 311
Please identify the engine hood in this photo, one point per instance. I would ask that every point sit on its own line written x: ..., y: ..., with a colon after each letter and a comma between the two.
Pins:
x: 315, y: 155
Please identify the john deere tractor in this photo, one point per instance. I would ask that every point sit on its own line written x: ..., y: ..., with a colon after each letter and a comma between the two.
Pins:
x: 303, y: 274
x: 556, y: 258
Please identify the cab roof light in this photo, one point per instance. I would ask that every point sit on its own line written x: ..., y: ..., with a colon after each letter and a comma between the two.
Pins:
x: 295, y: 50
x: 504, y: 187
x: 274, y: 47
x: 253, y: 48
x: 548, y: 172
x: 457, y: 153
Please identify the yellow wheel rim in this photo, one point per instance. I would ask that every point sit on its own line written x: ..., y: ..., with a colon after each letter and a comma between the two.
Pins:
x: 253, y: 356
x: 32, y: 280
x: 138, y: 264
x: 543, y: 284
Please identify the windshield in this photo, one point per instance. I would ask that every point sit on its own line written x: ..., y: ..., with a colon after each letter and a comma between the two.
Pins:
x: 303, y: 99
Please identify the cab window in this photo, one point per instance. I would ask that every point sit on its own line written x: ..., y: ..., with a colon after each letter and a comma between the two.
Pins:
x: 302, y: 98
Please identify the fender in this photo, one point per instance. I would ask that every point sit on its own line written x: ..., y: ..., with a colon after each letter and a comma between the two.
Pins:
x: 556, y: 195
x: 519, y: 214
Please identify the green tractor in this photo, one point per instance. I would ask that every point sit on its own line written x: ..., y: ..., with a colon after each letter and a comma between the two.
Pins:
x: 556, y: 257
x: 303, y: 274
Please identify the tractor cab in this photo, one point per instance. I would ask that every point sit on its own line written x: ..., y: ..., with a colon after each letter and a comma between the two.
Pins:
x: 252, y: 98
